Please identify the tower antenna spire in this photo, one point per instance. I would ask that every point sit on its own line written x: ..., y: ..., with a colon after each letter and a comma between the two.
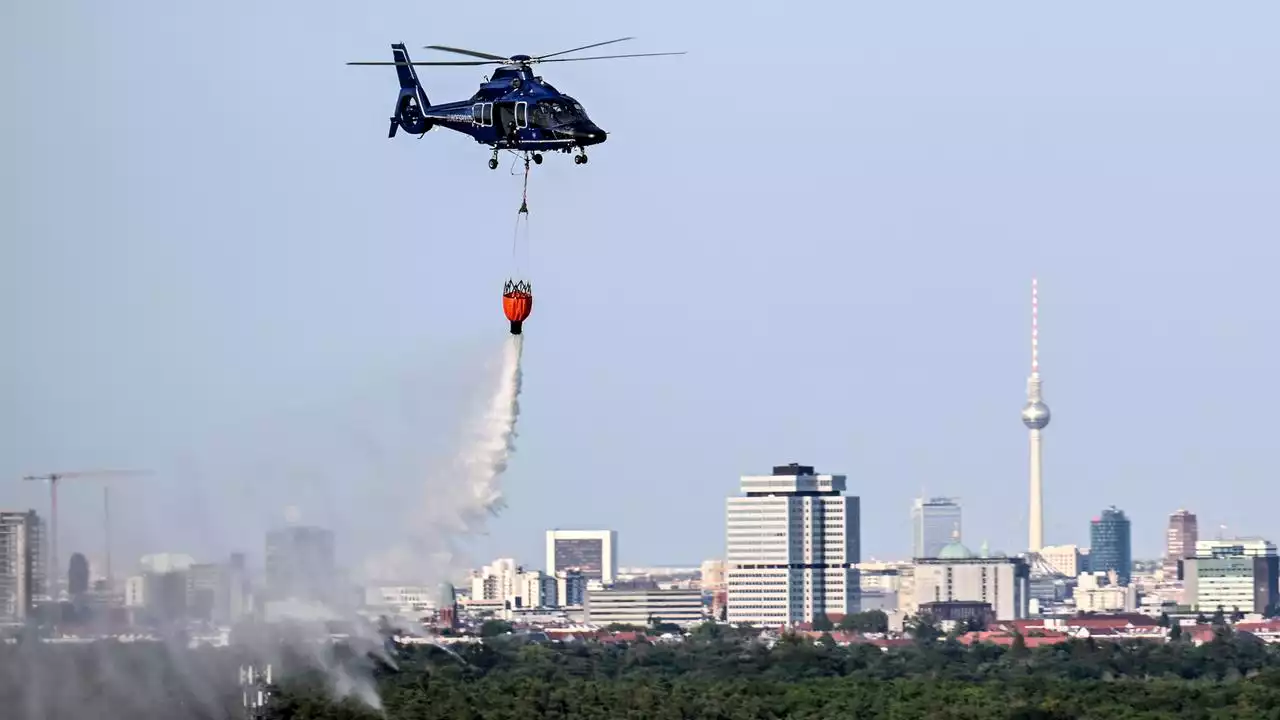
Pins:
x: 1035, y: 415
x: 1035, y: 329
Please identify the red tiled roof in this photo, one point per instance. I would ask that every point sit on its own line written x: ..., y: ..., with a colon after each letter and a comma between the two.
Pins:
x: 1112, y: 621
x: 1270, y: 625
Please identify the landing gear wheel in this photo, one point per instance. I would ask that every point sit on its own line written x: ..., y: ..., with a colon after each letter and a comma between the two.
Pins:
x: 579, y: 159
x: 493, y: 163
x: 537, y: 158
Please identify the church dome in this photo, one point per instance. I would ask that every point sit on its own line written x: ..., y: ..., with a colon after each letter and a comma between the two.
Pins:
x: 954, y: 550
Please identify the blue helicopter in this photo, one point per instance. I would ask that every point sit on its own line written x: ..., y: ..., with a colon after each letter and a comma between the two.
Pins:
x: 513, y: 110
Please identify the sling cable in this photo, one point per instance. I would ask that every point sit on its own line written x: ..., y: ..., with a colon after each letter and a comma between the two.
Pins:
x: 517, y: 293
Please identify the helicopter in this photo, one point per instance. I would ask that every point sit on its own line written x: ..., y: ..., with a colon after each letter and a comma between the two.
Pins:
x: 513, y: 110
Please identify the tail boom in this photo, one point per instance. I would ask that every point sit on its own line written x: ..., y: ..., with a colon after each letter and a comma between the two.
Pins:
x: 412, y: 102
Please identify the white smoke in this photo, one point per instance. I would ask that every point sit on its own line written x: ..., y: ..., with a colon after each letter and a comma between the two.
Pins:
x: 485, y: 461
x: 470, y: 492
x: 307, y: 623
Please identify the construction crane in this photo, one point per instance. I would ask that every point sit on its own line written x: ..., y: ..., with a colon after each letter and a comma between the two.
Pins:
x: 54, y: 571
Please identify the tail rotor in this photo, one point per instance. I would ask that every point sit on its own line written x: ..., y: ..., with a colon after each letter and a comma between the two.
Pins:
x: 411, y: 102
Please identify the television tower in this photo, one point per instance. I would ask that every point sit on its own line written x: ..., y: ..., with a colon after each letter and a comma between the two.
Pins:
x: 1035, y: 415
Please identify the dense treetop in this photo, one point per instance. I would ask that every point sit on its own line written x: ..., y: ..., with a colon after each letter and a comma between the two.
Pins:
x: 714, y: 673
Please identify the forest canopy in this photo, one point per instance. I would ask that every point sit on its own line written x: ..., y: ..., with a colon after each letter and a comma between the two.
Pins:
x: 711, y: 674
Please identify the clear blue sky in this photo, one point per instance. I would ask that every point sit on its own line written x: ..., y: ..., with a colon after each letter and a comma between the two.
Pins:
x: 810, y: 239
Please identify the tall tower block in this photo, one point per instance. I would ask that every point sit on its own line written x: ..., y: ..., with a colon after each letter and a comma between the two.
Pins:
x: 1035, y: 415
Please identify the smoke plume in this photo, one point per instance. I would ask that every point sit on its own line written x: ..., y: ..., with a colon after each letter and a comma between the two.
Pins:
x: 470, y: 493
x: 486, y: 460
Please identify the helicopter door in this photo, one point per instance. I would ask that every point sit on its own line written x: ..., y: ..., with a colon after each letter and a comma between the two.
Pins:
x: 506, y: 117
x: 522, y: 114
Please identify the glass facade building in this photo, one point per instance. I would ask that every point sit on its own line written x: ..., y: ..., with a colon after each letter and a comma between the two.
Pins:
x: 1110, y: 546
x: 935, y: 522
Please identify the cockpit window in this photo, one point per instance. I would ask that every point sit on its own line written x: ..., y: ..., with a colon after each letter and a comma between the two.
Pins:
x: 554, y: 113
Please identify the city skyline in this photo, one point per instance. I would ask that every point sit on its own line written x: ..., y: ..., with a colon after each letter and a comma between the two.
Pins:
x: 1035, y: 416
x: 299, y: 345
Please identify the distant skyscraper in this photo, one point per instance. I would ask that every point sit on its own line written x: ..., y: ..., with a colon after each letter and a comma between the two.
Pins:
x: 934, y: 523
x: 1110, y: 540
x: 1180, y: 541
x: 594, y: 552
x: 793, y: 545
x: 78, y: 575
x: 301, y: 564
x: 1035, y: 415
x: 22, y: 570
x: 209, y: 592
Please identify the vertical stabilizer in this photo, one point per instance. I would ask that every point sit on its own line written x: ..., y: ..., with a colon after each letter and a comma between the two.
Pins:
x: 412, y: 101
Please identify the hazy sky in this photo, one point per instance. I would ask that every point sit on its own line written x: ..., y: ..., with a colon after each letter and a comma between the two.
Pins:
x: 811, y: 239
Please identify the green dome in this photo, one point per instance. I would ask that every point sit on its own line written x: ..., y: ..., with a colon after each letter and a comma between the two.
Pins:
x: 954, y: 551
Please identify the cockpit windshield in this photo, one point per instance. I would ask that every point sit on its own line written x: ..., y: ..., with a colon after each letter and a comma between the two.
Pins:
x: 555, y: 113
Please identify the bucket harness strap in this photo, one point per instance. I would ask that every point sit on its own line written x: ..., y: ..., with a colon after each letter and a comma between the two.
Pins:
x: 524, y: 196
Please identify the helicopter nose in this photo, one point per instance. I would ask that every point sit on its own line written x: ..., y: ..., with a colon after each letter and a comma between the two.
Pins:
x: 591, y: 135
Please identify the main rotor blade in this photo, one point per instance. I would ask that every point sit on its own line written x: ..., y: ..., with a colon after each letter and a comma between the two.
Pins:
x: 608, y: 57
x: 446, y: 62
x: 460, y: 51
x: 584, y: 47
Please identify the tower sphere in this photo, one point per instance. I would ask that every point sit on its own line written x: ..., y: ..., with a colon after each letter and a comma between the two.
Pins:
x: 1035, y: 415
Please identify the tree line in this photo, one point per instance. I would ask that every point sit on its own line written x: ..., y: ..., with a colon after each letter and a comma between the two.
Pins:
x: 718, y: 672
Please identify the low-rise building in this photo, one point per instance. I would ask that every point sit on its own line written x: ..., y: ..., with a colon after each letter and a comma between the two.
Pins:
x: 644, y: 607
x: 957, y: 575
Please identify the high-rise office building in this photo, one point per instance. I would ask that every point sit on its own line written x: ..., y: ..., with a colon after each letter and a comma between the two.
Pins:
x: 1035, y: 415
x: 301, y: 565
x: 793, y: 545
x: 1110, y: 544
x: 22, y: 564
x: 1237, y: 575
x: 1180, y: 542
x: 594, y: 552
x: 934, y: 523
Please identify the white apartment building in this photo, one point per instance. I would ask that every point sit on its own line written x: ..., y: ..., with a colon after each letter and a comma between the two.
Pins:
x: 1092, y: 595
x: 594, y: 552
x: 22, y: 564
x: 571, y: 588
x: 1063, y: 558
x: 641, y: 607
x: 495, y: 581
x: 536, y: 589
x: 712, y: 575
x: 514, y: 587
x: 793, y: 545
